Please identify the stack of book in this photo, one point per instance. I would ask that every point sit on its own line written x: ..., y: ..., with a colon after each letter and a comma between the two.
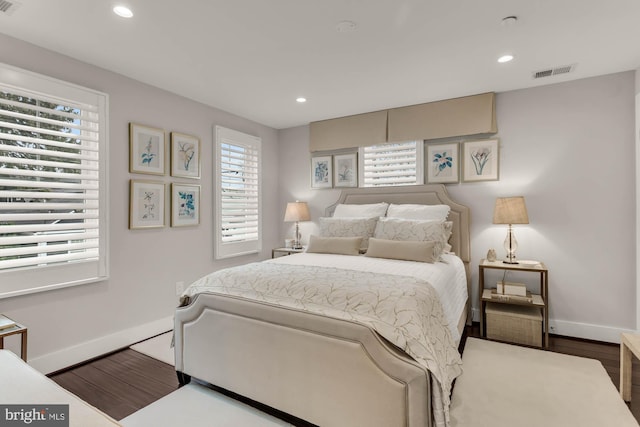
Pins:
x: 6, y: 323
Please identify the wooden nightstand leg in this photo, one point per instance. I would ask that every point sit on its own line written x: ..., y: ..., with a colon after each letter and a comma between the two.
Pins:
x: 23, y: 347
x: 625, y: 372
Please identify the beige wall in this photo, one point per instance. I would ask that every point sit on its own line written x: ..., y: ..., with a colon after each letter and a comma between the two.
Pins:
x: 569, y: 149
x: 70, y: 325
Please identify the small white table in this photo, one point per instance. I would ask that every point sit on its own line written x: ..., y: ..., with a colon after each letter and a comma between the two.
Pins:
x: 629, y: 344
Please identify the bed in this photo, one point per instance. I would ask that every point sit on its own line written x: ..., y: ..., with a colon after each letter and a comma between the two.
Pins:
x: 321, y: 366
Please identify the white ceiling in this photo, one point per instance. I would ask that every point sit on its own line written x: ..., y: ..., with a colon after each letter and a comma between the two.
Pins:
x: 254, y: 57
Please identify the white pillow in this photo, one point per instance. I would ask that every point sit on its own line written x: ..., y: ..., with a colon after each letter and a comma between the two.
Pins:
x: 334, y: 245
x: 349, y: 227
x: 373, y: 210
x: 423, y: 212
x: 415, y: 230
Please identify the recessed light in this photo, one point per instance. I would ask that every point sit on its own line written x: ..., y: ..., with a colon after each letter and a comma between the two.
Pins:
x: 505, y: 58
x: 301, y: 99
x: 123, y: 11
x: 509, y: 21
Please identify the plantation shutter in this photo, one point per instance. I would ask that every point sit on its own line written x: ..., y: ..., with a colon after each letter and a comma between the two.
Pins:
x: 238, y: 186
x: 391, y: 164
x: 50, y: 189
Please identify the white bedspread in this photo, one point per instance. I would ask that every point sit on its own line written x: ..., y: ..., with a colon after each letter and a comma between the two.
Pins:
x: 448, y: 278
x: 403, y: 309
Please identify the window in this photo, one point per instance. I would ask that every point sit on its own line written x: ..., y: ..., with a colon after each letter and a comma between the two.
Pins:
x: 53, y: 176
x: 391, y: 164
x: 238, y: 198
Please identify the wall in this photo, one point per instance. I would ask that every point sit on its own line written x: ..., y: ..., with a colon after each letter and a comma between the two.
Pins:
x: 569, y: 149
x: 73, y: 324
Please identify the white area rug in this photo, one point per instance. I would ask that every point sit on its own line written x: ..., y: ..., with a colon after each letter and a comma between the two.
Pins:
x: 505, y: 386
x: 158, y: 347
x: 197, y: 406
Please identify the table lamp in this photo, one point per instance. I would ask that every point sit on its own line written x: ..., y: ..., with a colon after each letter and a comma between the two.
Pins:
x: 297, y: 211
x: 510, y: 210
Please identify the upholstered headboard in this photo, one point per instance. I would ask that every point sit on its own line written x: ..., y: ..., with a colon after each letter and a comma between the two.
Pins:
x: 432, y: 194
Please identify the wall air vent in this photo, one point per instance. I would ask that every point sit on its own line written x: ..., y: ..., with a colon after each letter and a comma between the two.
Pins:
x: 8, y: 7
x: 554, y: 71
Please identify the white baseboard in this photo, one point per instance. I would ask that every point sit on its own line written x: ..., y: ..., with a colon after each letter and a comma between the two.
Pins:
x: 579, y: 330
x: 587, y: 331
x: 79, y: 353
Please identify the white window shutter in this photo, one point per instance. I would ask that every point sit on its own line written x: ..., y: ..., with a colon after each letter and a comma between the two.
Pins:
x: 238, y: 193
x: 392, y: 164
x: 52, y: 185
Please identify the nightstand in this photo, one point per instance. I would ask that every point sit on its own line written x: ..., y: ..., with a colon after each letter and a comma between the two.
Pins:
x: 285, y: 251
x: 13, y: 330
x: 531, y: 302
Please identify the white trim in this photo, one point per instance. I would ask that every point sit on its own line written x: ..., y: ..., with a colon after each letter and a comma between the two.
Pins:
x: 87, y: 350
x: 587, y: 331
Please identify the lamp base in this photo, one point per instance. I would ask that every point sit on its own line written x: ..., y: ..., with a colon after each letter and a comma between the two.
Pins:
x: 506, y: 261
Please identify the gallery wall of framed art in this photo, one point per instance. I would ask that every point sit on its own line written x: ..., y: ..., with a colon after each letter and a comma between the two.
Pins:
x: 148, y: 199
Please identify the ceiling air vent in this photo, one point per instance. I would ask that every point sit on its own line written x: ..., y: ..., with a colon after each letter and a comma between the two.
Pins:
x: 553, y: 71
x: 8, y: 7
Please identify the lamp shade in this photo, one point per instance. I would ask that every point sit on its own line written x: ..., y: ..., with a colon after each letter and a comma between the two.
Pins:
x: 297, y: 211
x: 510, y: 210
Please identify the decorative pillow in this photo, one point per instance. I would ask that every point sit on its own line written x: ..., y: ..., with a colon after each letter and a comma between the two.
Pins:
x: 404, y: 250
x: 423, y: 212
x: 373, y: 210
x: 349, y: 227
x: 334, y: 245
x: 414, y: 230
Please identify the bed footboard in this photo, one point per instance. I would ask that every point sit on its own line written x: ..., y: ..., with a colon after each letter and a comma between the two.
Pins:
x: 326, y: 371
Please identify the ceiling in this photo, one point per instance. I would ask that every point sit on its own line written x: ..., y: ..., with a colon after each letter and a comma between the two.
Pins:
x: 253, y: 58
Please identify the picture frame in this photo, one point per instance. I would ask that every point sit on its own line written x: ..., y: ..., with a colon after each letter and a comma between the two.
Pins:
x: 185, y: 155
x: 321, y: 172
x: 481, y: 160
x: 146, y: 149
x: 185, y: 205
x: 443, y: 163
x: 146, y: 204
x: 345, y: 167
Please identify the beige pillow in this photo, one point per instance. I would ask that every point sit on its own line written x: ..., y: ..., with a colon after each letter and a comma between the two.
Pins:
x: 408, y: 250
x: 415, y: 230
x: 334, y: 245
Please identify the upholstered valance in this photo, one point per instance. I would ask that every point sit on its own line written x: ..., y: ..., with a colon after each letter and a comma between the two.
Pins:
x: 470, y: 115
x: 348, y: 132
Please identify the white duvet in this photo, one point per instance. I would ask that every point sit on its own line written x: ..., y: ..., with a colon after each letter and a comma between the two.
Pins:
x: 448, y: 278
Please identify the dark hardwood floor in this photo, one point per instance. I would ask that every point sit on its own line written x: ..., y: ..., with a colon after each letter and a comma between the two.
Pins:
x: 120, y: 383
x: 125, y: 381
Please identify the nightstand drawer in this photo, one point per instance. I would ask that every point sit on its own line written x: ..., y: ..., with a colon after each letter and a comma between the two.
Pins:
x: 514, y: 323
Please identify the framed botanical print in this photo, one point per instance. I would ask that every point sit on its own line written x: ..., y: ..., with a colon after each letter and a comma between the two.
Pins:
x: 185, y: 156
x: 146, y: 149
x: 443, y: 163
x: 345, y: 168
x: 321, y: 172
x: 481, y: 160
x: 185, y: 205
x: 146, y: 204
